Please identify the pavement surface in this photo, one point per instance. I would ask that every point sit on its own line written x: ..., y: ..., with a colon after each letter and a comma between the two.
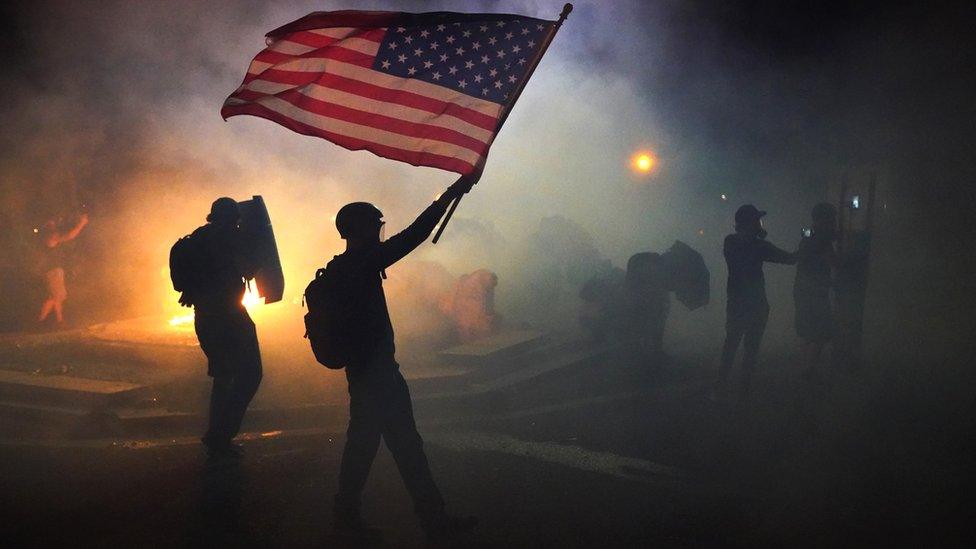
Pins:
x: 607, y: 456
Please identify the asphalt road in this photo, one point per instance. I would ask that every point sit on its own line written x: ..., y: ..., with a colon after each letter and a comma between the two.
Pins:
x: 604, y: 458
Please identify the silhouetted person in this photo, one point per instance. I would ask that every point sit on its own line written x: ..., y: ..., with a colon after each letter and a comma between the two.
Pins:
x: 747, y: 308
x: 472, y: 305
x: 379, y: 401
x: 225, y: 330
x: 603, y: 297
x: 811, y: 288
x: 647, y: 305
x: 52, y: 265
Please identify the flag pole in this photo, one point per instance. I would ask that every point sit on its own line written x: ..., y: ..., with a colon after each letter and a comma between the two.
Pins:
x: 508, y: 108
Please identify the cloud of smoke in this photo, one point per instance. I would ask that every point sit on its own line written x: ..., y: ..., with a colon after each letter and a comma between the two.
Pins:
x: 115, y: 106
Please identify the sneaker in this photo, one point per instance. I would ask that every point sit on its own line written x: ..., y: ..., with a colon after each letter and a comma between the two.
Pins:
x: 444, y: 526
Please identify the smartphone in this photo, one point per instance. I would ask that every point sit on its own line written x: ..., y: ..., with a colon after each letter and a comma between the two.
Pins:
x: 855, y: 202
x: 807, y: 233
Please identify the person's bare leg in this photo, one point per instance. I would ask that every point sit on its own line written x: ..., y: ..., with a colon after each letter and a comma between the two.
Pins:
x: 46, y: 309
x: 58, y: 292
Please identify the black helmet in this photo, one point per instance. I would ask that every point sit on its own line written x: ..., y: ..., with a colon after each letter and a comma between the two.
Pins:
x: 823, y: 212
x: 224, y: 209
x: 748, y: 214
x: 358, y: 220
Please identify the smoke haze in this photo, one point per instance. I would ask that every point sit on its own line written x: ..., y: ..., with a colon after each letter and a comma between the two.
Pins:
x: 115, y: 106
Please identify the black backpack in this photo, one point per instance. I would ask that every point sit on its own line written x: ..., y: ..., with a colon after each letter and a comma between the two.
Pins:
x: 186, y: 266
x: 327, y: 322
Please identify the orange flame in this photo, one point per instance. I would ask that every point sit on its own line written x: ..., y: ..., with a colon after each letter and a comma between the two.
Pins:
x: 250, y: 300
x: 251, y: 297
x: 180, y: 320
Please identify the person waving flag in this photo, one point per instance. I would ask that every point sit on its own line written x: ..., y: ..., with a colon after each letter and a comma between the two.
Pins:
x: 429, y: 89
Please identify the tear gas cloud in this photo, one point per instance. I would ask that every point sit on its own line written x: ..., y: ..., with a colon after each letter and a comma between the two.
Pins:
x: 115, y: 105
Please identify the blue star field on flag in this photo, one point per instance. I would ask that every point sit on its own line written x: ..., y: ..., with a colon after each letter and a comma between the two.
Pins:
x: 484, y: 59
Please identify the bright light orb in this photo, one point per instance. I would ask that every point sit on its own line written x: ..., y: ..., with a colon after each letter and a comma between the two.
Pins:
x: 643, y: 163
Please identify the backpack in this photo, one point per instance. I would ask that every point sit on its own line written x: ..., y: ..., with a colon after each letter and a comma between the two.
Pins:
x: 327, y: 321
x: 186, y: 266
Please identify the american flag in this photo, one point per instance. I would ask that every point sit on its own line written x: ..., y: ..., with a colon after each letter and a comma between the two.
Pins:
x: 429, y: 89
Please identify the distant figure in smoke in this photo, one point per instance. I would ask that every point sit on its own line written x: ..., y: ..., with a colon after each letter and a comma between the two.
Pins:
x: 472, y: 305
x: 811, y: 289
x: 747, y: 308
x: 602, y: 298
x: 647, y: 305
x: 225, y: 330
x: 52, y: 265
x: 379, y: 403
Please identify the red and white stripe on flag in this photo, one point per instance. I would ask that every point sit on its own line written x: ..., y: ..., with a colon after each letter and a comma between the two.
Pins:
x: 426, y: 89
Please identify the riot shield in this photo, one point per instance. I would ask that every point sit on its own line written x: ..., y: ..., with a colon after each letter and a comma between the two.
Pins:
x: 256, y: 226
x: 687, y: 275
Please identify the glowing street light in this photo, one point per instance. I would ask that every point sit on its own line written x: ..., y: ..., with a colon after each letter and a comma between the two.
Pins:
x: 643, y: 162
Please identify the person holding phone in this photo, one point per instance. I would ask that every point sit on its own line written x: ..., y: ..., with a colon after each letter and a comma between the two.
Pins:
x: 816, y: 258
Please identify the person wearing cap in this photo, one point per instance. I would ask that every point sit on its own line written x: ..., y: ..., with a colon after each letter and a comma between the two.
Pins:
x: 811, y: 288
x: 747, y: 308
x: 379, y: 400
x: 226, y: 332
